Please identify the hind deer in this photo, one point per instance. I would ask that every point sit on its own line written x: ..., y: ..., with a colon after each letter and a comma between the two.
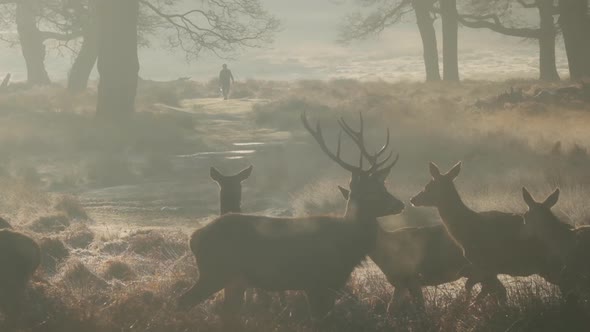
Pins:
x: 316, y: 254
x: 494, y: 242
x: 415, y: 257
x: 230, y: 196
x: 230, y: 189
x: 568, y: 247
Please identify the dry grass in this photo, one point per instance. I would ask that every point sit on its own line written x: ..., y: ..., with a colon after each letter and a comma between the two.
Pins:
x: 53, y: 253
x: 72, y: 207
x: 49, y: 224
x: 110, y: 280
x: 71, y: 303
x: 79, y: 236
x: 119, y: 270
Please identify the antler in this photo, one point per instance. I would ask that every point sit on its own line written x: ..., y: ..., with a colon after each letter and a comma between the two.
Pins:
x: 317, y: 135
x: 359, y: 139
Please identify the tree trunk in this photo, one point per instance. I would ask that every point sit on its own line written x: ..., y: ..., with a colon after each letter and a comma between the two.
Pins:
x: 450, y: 26
x: 118, y: 63
x: 422, y: 8
x: 31, y: 42
x: 547, y: 66
x: 86, y: 59
x: 575, y: 24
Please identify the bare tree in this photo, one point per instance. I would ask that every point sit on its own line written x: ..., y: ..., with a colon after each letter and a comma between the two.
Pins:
x: 118, y: 63
x: 36, y: 22
x: 222, y: 27
x: 497, y: 15
x: 82, y: 14
x: 450, y: 31
x: 574, y: 20
x: 377, y: 15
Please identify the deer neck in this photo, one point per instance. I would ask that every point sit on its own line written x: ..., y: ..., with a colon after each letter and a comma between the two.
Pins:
x: 357, y: 213
x: 365, y: 219
x: 377, y: 254
x: 457, y: 217
x: 229, y: 203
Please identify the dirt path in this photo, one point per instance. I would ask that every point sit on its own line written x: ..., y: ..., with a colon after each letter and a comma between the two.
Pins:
x: 228, y: 128
x: 228, y: 123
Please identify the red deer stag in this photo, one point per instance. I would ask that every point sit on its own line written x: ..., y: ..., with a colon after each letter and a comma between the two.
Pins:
x: 415, y: 257
x: 315, y: 254
x: 20, y: 257
x: 494, y: 242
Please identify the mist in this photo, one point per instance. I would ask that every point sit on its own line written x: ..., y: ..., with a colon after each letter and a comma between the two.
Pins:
x: 271, y: 165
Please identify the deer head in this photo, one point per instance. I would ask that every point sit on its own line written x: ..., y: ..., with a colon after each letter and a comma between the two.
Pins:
x: 439, y: 187
x: 368, y: 195
x: 539, y: 214
x: 230, y: 189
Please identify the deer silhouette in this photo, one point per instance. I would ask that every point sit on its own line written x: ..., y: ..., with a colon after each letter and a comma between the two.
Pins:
x: 230, y: 189
x: 568, y: 248
x: 415, y: 257
x: 230, y: 200
x: 494, y: 242
x: 315, y: 254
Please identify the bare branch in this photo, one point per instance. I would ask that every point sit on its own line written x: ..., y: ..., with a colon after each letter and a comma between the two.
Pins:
x: 360, y: 26
x: 492, y: 22
x: 218, y: 26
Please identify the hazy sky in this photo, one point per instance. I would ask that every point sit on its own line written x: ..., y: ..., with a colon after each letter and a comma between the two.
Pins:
x: 306, y: 48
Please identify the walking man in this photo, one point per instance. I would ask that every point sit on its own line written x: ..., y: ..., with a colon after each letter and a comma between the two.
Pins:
x: 225, y: 80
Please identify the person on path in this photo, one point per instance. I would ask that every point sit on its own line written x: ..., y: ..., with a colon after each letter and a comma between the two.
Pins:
x: 225, y: 80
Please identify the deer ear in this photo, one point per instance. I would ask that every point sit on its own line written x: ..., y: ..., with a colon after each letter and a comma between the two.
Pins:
x: 454, y: 172
x: 528, y: 198
x: 552, y: 199
x: 244, y: 174
x: 345, y: 192
x: 434, y: 170
x: 215, y: 174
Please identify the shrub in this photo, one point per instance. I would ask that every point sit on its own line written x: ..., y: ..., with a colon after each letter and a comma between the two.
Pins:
x: 79, y: 236
x: 53, y: 253
x: 117, y: 269
x: 50, y: 224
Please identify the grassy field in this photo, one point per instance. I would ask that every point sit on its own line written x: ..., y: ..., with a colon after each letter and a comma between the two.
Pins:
x: 112, y: 205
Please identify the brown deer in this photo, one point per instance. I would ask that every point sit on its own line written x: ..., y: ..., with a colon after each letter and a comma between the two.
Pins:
x: 315, y: 254
x: 557, y: 236
x: 415, y: 257
x: 230, y: 198
x: 230, y: 189
x: 567, y: 247
x: 494, y: 242
x: 20, y: 257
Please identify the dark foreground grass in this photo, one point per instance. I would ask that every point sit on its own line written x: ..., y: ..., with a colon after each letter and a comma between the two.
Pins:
x: 72, y: 306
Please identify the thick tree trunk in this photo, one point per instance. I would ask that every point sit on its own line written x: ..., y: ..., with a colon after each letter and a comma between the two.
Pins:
x: 422, y: 8
x: 547, y: 66
x: 450, y: 26
x: 575, y: 25
x: 86, y: 59
x: 118, y: 64
x: 31, y: 42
